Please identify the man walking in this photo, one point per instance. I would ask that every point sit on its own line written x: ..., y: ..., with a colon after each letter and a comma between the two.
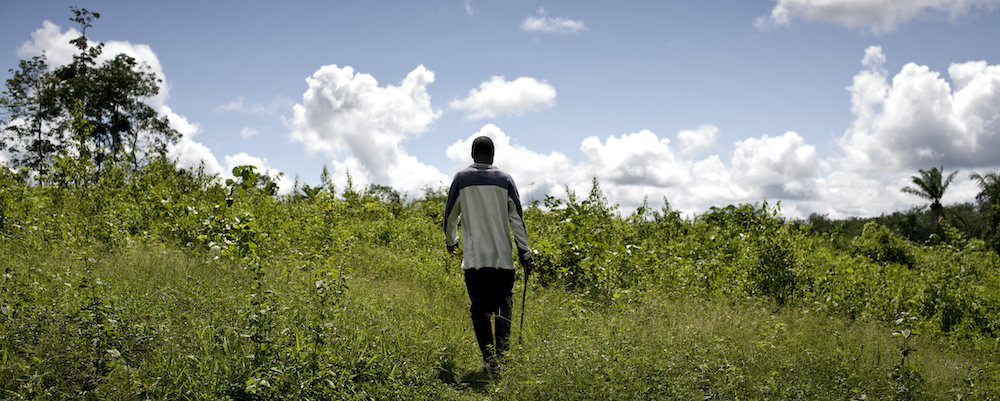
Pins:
x: 485, y: 201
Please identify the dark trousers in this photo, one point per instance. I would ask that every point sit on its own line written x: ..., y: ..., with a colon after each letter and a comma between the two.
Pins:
x: 490, y: 291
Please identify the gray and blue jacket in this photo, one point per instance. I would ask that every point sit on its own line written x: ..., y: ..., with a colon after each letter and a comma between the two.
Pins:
x: 485, y: 201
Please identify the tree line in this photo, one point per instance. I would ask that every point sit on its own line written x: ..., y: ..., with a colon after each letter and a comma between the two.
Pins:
x: 933, y: 223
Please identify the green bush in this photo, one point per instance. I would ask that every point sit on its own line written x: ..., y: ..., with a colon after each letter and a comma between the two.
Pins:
x: 880, y: 245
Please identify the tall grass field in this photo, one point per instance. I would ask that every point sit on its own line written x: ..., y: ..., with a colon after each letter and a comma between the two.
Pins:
x: 166, y: 284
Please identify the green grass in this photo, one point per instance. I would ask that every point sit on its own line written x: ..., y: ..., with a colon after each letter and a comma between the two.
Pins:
x: 172, y: 324
x: 158, y: 287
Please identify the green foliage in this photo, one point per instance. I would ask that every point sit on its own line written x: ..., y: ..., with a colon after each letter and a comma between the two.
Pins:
x: 166, y: 283
x: 880, y: 245
x: 763, y: 246
x: 989, y: 205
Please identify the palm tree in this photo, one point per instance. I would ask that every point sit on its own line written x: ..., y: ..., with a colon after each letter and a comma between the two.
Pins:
x: 930, y: 186
x: 990, y: 185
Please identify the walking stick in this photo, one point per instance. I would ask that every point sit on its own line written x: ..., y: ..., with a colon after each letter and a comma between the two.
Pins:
x: 524, y: 295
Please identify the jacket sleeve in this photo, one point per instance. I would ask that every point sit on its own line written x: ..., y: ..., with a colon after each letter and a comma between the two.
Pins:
x: 516, y: 217
x: 452, y: 212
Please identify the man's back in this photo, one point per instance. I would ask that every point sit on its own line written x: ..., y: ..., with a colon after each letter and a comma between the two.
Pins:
x: 488, y: 203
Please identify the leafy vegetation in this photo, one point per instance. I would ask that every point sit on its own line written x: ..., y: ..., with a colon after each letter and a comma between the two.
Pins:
x: 170, y: 284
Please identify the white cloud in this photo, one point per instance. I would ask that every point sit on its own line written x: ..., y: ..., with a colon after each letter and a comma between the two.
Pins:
x: 190, y: 154
x: 629, y: 167
x: 187, y: 152
x: 347, y: 113
x: 469, y: 8
x: 779, y: 167
x: 238, y: 105
x: 542, y: 23
x: 180, y: 123
x: 633, y: 167
x: 879, y: 16
x: 248, y: 132
x: 919, y: 120
x: 54, y: 43
x: 640, y: 159
x: 698, y: 140
x: 235, y: 105
x: 498, y: 97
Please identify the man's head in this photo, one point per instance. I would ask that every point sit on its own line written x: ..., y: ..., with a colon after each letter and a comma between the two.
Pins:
x: 482, y: 150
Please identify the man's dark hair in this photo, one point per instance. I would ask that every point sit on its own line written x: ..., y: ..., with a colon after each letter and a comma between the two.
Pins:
x: 482, y: 146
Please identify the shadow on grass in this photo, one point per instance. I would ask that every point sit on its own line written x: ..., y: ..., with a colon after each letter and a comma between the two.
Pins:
x: 476, y: 380
x: 449, y: 372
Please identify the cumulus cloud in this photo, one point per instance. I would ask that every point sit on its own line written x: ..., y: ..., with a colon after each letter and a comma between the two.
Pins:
x: 778, y: 167
x: 498, y: 97
x: 542, y: 23
x: 644, y: 165
x: 190, y: 154
x: 904, y: 122
x: 187, y: 152
x: 919, y: 120
x: 635, y: 166
x: 630, y: 168
x: 640, y: 159
x: 344, y: 113
x: 879, y: 16
x: 698, y: 140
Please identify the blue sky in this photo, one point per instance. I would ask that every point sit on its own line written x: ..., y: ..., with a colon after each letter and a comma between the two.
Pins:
x: 828, y: 106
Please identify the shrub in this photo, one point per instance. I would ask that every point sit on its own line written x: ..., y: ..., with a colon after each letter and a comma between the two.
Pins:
x: 883, y: 246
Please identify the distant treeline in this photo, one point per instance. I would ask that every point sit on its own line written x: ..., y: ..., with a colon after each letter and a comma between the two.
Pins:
x: 918, y: 224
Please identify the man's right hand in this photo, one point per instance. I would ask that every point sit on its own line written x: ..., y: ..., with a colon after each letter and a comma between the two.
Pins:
x: 528, y: 265
x: 453, y: 249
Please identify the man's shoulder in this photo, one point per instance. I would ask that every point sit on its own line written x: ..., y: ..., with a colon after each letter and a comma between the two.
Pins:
x: 477, y: 174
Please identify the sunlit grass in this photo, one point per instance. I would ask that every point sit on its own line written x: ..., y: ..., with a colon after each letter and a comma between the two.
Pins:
x: 175, y: 326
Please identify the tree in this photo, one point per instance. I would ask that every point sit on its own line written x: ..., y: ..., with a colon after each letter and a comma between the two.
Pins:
x: 40, y: 104
x: 29, y: 103
x: 989, y: 204
x: 384, y: 193
x: 932, y: 187
x: 125, y: 128
x: 989, y: 183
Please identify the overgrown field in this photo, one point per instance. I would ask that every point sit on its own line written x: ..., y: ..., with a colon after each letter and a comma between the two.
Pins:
x: 165, y: 284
